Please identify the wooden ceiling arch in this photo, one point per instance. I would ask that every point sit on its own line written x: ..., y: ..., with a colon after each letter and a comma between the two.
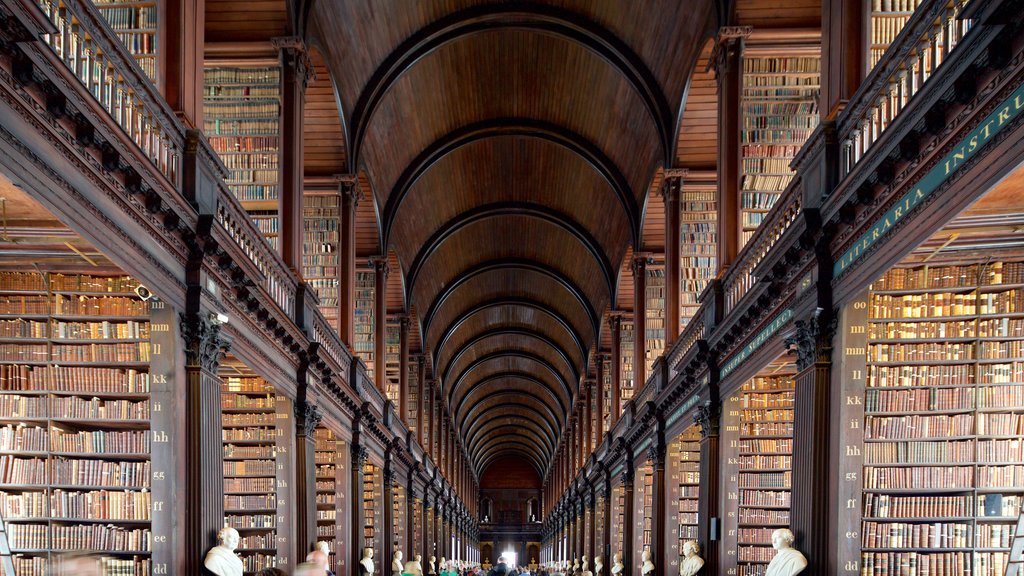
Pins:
x: 503, y: 127
x: 542, y: 19
x: 510, y: 398
x: 512, y: 208
x: 522, y: 419
x: 565, y: 387
x: 513, y: 345
x: 518, y: 380
x: 506, y: 331
x: 495, y: 452
x: 509, y: 429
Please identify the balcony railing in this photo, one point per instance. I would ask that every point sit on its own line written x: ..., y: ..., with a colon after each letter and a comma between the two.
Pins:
x: 95, y: 57
x: 927, y: 40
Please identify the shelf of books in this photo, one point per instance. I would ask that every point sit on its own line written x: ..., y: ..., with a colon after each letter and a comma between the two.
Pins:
x: 392, y: 349
x: 943, y: 417
x: 606, y: 389
x: 654, y: 326
x: 432, y: 546
x: 600, y: 527
x: 242, y: 121
x: 779, y: 109
x: 253, y: 417
x: 618, y: 519
x: 136, y: 24
x: 698, y: 246
x: 399, y: 525
x: 364, y: 322
x: 328, y: 502
x: 417, y: 532
x: 321, y: 249
x: 758, y: 466
x: 683, y: 486
x: 887, y: 20
x: 643, y: 509
x: 373, y: 512
x: 412, y: 415
x: 626, y: 353
x: 75, y: 421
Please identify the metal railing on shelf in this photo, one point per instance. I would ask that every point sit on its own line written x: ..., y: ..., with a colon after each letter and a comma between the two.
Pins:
x: 926, y: 41
x: 94, y: 55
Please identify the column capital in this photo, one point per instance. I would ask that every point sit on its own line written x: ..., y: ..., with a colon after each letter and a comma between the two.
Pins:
x: 615, y: 319
x: 204, y: 346
x: 404, y: 320
x: 359, y: 455
x: 293, y: 53
x: 728, y: 41
x: 706, y: 418
x: 639, y: 263
x: 813, y: 338
x: 380, y: 264
x: 672, y: 184
x: 308, y: 416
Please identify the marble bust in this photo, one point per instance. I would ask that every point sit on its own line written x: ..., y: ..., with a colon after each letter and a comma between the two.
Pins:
x: 396, y: 563
x: 692, y: 562
x: 646, y: 566
x: 432, y: 565
x: 788, y: 561
x: 414, y: 566
x: 598, y: 565
x: 366, y: 564
x: 585, y: 567
x: 221, y: 559
x: 617, y: 563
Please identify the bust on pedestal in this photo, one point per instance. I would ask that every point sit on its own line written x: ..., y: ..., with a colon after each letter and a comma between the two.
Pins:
x: 692, y: 562
x: 585, y: 568
x: 646, y: 566
x: 396, y: 563
x: 221, y: 559
x: 414, y: 566
x: 617, y: 563
x: 366, y: 566
x: 598, y: 565
x: 432, y: 566
x: 788, y: 561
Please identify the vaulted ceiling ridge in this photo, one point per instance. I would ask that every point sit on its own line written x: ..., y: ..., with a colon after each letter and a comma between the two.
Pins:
x: 579, y: 145
x: 504, y: 331
x: 511, y: 398
x: 496, y: 451
x: 515, y: 263
x: 520, y: 422
x: 509, y: 377
x: 450, y: 330
x: 514, y: 208
x: 513, y: 15
x: 568, y: 388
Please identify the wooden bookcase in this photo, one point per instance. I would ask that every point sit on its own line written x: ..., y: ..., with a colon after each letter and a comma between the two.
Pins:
x: 412, y: 415
x: 626, y: 353
x: 321, y: 248
x: 643, y: 510
x: 392, y: 350
x: 618, y: 519
x: 329, y: 504
x: 606, y: 389
x: 398, y: 522
x: 257, y: 469
x: 654, y: 326
x: 373, y: 513
x: 698, y: 246
x: 887, y: 20
x: 779, y: 110
x: 757, y: 467
x: 943, y: 417
x: 364, y: 320
x: 683, y: 488
x: 417, y: 533
x: 77, y: 424
x: 136, y: 24
x: 242, y: 120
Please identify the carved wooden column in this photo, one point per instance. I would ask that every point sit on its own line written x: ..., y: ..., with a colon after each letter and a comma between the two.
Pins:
x: 728, y: 63
x: 592, y: 507
x: 307, y: 417
x: 203, y: 496
x: 403, y: 369
x: 389, y: 479
x: 422, y: 397
x: 296, y: 72
x: 615, y: 326
x: 709, y: 505
x: 380, y: 320
x: 606, y: 531
x: 660, y: 552
x: 359, y: 455
x: 813, y: 411
x: 180, y: 66
x: 844, y: 39
x: 348, y: 189
x: 410, y: 544
x: 627, y: 516
x: 425, y: 530
x: 639, y: 268
x: 671, y: 191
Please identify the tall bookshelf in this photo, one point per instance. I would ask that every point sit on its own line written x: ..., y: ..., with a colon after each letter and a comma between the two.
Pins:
x: 364, y: 321
x: 136, y: 24
x: 698, y: 246
x: 606, y: 390
x: 943, y: 418
x: 373, y: 512
x: 398, y: 522
x: 887, y: 20
x: 392, y: 368
x: 618, y: 519
x: 758, y: 467
x: 321, y: 248
x: 417, y: 532
x: 242, y: 120
x: 328, y: 502
x: 643, y: 509
x: 626, y: 353
x: 654, y: 326
x: 780, y: 109
x: 683, y: 487
x: 249, y: 414
x: 412, y: 415
x: 75, y: 422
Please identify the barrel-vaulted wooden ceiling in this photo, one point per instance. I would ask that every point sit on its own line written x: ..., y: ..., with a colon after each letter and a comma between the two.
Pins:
x: 509, y: 148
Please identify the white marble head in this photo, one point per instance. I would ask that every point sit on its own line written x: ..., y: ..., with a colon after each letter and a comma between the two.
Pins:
x: 691, y: 548
x: 228, y: 538
x: 782, y: 538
